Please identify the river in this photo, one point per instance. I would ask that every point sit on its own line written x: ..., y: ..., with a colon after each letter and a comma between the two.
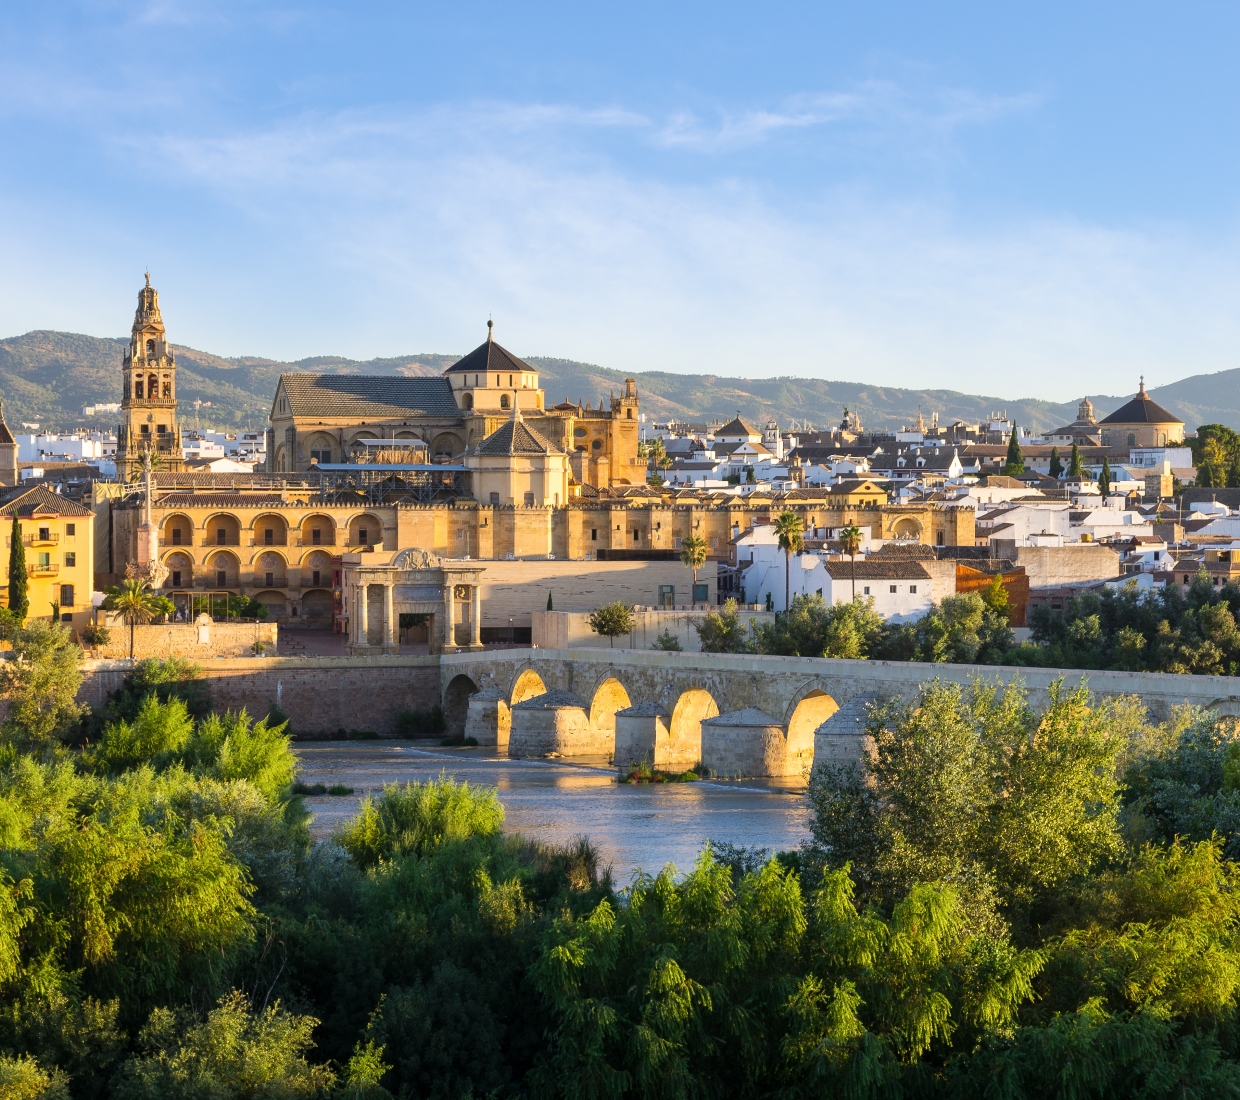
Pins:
x: 632, y: 826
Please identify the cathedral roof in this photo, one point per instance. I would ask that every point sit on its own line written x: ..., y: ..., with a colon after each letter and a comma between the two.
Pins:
x: 6, y: 436
x: 41, y: 501
x: 1141, y: 410
x: 515, y: 437
x: 736, y: 426
x: 489, y: 357
x: 368, y: 396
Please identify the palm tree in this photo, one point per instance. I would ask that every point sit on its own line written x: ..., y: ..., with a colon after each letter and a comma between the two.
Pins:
x: 693, y: 554
x: 850, y: 543
x: 789, y: 527
x: 136, y: 602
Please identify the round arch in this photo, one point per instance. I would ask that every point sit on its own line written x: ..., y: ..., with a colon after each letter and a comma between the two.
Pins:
x: 526, y: 686
x: 907, y: 528
x: 325, y: 525
x: 805, y: 716
x: 180, y: 568
x: 456, y: 704
x: 608, y: 698
x: 270, y: 563
x: 684, y: 734
x: 446, y: 445
x: 223, y: 570
x: 365, y: 530
x: 270, y: 529
x: 226, y: 522
x: 177, y: 520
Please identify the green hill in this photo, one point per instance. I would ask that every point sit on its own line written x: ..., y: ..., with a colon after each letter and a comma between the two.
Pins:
x: 47, y: 377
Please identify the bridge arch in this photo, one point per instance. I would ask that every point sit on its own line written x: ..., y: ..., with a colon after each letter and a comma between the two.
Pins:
x: 609, y: 697
x: 684, y: 733
x: 456, y: 704
x: 805, y: 715
x: 526, y: 686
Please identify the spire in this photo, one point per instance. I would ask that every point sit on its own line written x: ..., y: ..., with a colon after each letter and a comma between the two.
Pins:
x: 1141, y: 392
x: 148, y: 278
x: 490, y: 326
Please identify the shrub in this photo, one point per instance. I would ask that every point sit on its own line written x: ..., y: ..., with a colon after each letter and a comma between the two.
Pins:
x: 420, y: 723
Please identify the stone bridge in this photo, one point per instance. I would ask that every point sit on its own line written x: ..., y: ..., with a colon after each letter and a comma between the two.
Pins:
x: 736, y: 715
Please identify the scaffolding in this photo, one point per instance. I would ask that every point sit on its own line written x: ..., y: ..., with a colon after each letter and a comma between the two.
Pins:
x: 377, y: 483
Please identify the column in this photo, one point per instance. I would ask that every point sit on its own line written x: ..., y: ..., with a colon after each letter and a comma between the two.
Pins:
x: 363, y: 612
x: 392, y: 635
x: 475, y: 632
x: 449, y: 612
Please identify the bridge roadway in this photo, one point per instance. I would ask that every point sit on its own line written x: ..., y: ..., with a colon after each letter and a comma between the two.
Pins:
x: 736, y: 714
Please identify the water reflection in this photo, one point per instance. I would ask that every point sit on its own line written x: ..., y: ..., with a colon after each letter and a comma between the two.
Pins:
x: 632, y: 826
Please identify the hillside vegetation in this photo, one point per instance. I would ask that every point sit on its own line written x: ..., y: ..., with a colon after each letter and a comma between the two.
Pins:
x: 48, y: 377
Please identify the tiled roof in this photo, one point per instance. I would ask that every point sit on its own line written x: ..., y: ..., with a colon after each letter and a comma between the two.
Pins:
x: 489, y: 356
x: 736, y: 426
x: 41, y: 501
x: 1141, y: 410
x: 871, y: 570
x: 219, y: 500
x: 515, y: 437
x: 368, y: 396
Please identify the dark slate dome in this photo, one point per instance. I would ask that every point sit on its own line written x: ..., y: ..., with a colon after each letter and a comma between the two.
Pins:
x: 1141, y: 410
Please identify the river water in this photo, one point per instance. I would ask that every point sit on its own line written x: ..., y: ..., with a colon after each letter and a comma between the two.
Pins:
x: 633, y: 827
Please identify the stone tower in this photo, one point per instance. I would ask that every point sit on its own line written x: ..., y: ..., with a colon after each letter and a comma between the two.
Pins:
x: 148, y: 394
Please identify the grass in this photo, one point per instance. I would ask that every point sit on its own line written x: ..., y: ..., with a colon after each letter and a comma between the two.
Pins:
x: 319, y: 788
x: 643, y: 773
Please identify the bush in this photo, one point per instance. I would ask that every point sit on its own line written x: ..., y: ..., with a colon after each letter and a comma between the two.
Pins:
x: 96, y: 636
x: 668, y: 642
x: 420, y: 723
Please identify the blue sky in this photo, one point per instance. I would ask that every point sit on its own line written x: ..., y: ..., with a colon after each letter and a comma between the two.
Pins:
x: 1039, y: 202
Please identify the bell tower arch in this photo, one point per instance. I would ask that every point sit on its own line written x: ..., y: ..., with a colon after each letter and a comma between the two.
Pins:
x: 148, y: 394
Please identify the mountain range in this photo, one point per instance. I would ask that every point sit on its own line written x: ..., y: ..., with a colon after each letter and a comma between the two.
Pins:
x: 46, y: 377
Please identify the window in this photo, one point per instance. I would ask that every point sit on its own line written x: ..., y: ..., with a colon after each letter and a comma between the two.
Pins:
x: 315, y: 581
x: 667, y: 595
x: 221, y: 537
x: 176, y: 578
x: 866, y: 590
x: 630, y: 413
x: 316, y: 535
x: 146, y: 429
x: 71, y: 529
x: 714, y: 542
x: 176, y: 536
x: 70, y: 561
x: 913, y: 589
x: 270, y: 580
x: 1132, y: 440
x: 503, y: 401
x: 66, y: 595
x: 892, y: 588
x: 363, y: 535
x: 594, y: 536
x: 150, y: 347
x: 45, y: 534
x: 269, y: 537
x: 321, y: 456
x: 137, y: 390
x: 701, y: 593
x: 597, y: 445
x: 468, y: 402
x: 529, y: 500
x: 221, y: 578
x: 161, y: 428
x: 495, y: 498
x: 940, y: 538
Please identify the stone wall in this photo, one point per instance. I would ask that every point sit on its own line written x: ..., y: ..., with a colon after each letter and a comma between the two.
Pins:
x: 516, y: 589
x: 1074, y: 563
x: 571, y: 629
x: 320, y: 695
x: 189, y: 640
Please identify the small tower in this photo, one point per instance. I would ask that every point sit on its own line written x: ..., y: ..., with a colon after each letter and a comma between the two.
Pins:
x: 8, y: 454
x: 148, y: 394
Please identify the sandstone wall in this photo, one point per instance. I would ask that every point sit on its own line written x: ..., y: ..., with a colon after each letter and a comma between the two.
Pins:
x: 188, y: 640
x: 320, y: 695
x: 571, y: 629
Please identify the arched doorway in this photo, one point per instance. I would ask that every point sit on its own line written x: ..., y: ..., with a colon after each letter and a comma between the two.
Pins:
x: 528, y: 684
x: 814, y: 708
x: 456, y: 704
x: 685, y: 731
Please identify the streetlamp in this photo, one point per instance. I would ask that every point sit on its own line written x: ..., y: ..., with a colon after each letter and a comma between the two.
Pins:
x: 512, y: 637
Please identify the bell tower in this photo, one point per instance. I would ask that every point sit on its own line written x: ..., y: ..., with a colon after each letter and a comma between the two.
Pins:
x: 148, y: 394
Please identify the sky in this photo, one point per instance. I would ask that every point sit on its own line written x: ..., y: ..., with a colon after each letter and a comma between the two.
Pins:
x: 1017, y: 200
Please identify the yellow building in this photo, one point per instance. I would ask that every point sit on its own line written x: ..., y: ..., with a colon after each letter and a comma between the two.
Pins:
x: 59, y: 542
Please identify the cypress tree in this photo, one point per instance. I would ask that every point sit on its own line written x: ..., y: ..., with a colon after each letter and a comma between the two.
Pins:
x: 1015, y: 459
x: 549, y: 607
x: 1074, y: 462
x: 1056, y: 469
x: 1104, y: 479
x: 19, y: 599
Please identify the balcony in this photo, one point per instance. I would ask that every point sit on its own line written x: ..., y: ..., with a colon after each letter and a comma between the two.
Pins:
x: 360, y: 547
x: 36, y: 570
x: 327, y: 539
x: 214, y: 539
x: 276, y: 540
x: 183, y: 541
x: 34, y: 540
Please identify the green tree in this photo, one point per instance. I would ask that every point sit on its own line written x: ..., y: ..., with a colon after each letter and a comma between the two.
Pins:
x: 1075, y: 469
x: 813, y: 628
x: 136, y: 603
x: 1104, y: 478
x: 41, y: 683
x: 751, y: 476
x: 549, y: 605
x: 722, y: 631
x: 693, y: 554
x: 789, y: 530
x: 667, y: 641
x: 961, y: 629
x: 1056, y: 466
x: 612, y: 620
x: 850, y: 544
x: 19, y: 598
x: 1015, y: 463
